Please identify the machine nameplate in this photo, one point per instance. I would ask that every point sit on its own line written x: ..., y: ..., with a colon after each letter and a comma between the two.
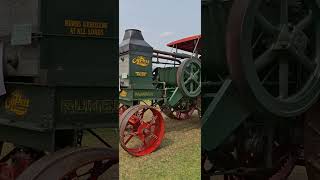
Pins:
x: 123, y: 93
x: 141, y: 61
x: 17, y: 103
x: 141, y: 74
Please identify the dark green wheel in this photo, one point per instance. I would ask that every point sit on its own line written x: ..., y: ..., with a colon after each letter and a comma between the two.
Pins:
x: 273, y: 53
x: 189, y: 77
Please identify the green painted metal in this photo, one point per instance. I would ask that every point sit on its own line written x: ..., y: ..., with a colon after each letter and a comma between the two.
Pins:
x: 175, y: 97
x: 79, y: 72
x: 130, y: 96
x: 214, y: 15
x: 40, y: 140
x: 135, y: 61
x: 135, y: 64
x: 224, y: 114
x: 79, y: 46
x: 168, y: 75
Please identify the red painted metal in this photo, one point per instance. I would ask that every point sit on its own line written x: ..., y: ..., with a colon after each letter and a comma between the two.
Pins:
x: 149, y: 131
x: 187, y: 44
x: 20, y: 162
x: 122, y: 109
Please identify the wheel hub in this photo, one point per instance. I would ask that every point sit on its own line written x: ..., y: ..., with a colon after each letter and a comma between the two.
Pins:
x: 288, y: 38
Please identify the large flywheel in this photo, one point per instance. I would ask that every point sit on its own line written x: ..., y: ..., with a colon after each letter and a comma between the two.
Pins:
x: 189, y: 77
x: 273, y: 52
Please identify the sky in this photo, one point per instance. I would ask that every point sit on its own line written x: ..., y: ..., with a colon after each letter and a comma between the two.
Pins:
x: 161, y: 21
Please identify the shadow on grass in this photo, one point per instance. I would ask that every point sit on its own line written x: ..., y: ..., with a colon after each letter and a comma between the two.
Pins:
x: 165, y: 143
x: 185, y: 125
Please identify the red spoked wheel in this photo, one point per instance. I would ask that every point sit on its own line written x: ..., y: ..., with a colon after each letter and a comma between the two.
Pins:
x: 74, y: 164
x: 141, y: 130
x: 122, y: 109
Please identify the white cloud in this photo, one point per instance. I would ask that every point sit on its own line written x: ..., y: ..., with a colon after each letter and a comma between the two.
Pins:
x: 166, y: 34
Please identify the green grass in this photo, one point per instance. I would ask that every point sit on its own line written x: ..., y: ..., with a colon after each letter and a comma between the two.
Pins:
x: 179, y: 156
x: 111, y: 136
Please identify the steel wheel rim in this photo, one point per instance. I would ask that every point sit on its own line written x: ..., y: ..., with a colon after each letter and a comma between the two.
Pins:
x: 122, y: 109
x: 239, y: 44
x: 189, y: 77
x: 62, y: 164
x: 150, y: 133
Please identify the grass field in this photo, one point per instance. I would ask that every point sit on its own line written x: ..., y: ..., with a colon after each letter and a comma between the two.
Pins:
x: 177, y: 158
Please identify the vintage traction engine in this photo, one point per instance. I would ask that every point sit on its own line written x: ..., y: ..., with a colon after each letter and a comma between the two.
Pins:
x: 58, y: 78
x: 173, y: 90
x: 260, y: 88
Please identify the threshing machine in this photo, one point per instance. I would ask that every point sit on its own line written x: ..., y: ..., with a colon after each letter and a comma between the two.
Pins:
x: 260, y: 88
x: 173, y: 88
x: 58, y: 75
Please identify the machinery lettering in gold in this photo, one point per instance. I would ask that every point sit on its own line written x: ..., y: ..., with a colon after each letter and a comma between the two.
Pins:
x: 123, y: 93
x: 143, y: 94
x: 141, y: 74
x: 17, y: 103
x: 85, y: 28
x: 141, y: 61
x: 88, y: 106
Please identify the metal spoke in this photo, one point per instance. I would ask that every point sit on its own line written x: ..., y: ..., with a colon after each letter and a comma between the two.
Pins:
x: 188, y: 80
x: 140, y: 114
x: 283, y: 78
x: 304, y: 23
x: 265, y: 59
x: 257, y: 40
x: 266, y: 25
x: 130, y: 137
x: 152, y: 122
x: 302, y: 59
x: 191, y: 87
x: 144, y: 142
x: 153, y: 136
x: 269, y: 73
x: 84, y: 174
x: 187, y: 73
x: 284, y: 12
x: 197, y: 72
x: 192, y: 68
